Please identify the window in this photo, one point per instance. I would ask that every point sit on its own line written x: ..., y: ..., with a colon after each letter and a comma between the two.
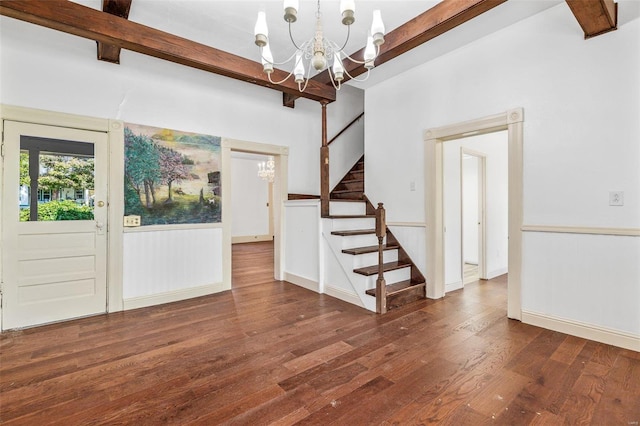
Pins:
x: 60, y: 175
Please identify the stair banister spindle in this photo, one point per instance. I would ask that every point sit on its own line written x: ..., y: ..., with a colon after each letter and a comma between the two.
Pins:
x: 381, y: 285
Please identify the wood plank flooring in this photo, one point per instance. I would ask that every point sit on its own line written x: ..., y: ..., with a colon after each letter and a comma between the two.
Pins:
x: 470, y: 273
x: 270, y: 352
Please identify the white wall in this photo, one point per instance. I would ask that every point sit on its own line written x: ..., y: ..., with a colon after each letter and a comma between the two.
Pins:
x: 45, y: 69
x: 249, y: 198
x: 345, y: 151
x: 581, y: 100
x: 494, y: 146
x: 302, y: 242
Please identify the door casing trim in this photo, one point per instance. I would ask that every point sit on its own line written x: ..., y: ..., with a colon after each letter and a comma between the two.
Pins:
x: 115, y: 183
x: 512, y: 121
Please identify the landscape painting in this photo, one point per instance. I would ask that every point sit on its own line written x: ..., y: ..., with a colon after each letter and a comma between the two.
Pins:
x: 171, y: 177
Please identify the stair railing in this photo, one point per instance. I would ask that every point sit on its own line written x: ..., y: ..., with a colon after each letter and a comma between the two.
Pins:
x: 324, y: 160
x: 381, y: 285
x: 354, y: 121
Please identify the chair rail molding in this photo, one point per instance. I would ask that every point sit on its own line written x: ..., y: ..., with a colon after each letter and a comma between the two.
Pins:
x: 587, y: 230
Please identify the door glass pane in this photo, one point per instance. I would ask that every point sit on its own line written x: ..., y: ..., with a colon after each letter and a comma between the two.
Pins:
x: 56, y: 180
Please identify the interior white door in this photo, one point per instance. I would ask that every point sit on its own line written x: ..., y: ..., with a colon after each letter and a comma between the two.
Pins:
x: 52, y: 270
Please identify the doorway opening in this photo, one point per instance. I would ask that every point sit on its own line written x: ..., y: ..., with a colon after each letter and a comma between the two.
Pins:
x: 252, y: 212
x: 472, y: 190
x: 513, y: 122
x: 256, y: 233
x: 475, y: 185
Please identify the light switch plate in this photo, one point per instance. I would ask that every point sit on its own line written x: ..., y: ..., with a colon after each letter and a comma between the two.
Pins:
x: 132, y: 220
x: 616, y: 198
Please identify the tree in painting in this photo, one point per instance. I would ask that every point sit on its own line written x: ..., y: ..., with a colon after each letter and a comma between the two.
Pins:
x: 141, y: 165
x: 173, y: 168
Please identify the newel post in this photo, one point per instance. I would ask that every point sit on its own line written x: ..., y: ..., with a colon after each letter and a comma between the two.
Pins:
x: 324, y: 166
x: 381, y: 285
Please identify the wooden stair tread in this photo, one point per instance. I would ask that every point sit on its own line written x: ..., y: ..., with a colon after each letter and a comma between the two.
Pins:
x: 346, y: 191
x: 354, y: 232
x: 352, y: 216
x: 347, y: 200
x: 386, y: 267
x: 369, y: 249
x: 359, y: 196
x: 399, y: 287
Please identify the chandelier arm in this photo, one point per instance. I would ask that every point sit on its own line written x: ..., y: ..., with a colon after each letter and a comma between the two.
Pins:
x: 291, y: 37
x: 281, y: 81
x: 302, y: 88
x: 355, y: 61
x: 277, y: 63
x: 347, y: 40
x: 357, y: 79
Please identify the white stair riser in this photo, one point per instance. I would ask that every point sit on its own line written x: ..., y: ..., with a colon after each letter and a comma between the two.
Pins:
x: 353, y: 241
x: 390, y: 277
x: 347, y: 208
x: 351, y: 224
x: 369, y: 259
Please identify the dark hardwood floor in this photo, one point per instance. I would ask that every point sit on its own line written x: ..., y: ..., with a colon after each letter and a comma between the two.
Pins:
x: 270, y: 352
x: 252, y: 264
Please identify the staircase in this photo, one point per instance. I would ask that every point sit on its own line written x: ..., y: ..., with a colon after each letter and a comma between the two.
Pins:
x: 353, y: 222
x: 351, y: 187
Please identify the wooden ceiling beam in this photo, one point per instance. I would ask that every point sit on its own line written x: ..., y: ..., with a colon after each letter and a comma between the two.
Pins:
x: 595, y: 16
x: 121, y: 8
x: 436, y: 21
x: 82, y: 21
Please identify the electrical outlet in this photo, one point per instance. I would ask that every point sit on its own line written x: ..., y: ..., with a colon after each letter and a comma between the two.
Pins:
x: 132, y: 220
x: 616, y: 198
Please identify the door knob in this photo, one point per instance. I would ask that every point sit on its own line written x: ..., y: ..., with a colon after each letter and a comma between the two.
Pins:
x: 100, y: 203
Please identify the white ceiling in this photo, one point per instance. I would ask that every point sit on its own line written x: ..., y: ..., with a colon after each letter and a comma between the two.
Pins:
x: 228, y: 25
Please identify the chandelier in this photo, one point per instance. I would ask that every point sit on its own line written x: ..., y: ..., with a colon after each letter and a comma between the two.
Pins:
x: 319, y: 52
x: 266, y: 170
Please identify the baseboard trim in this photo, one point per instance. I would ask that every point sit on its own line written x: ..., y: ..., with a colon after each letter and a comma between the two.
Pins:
x: 453, y: 286
x: 496, y: 273
x: 302, y: 281
x: 172, y: 296
x: 251, y: 239
x: 580, y: 329
x: 344, y: 295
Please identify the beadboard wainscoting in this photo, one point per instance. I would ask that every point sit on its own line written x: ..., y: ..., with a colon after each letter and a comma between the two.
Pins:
x: 163, y: 266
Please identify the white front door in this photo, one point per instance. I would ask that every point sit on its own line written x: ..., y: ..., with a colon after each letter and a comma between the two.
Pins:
x: 54, y: 224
